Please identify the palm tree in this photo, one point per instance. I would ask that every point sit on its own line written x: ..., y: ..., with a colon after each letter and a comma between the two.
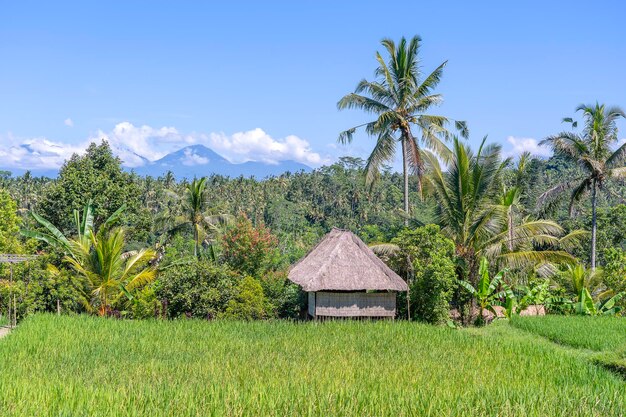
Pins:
x: 109, y: 270
x: 576, y: 278
x: 400, y: 99
x: 194, y: 206
x: 592, y: 152
x: 99, y: 257
x: 470, y: 213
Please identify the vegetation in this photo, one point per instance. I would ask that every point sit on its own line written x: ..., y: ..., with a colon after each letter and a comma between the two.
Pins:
x: 488, y: 290
x: 188, y: 367
x: 400, y: 99
x: 593, y: 333
x: 486, y: 233
x: 244, y: 233
x: 426, y: 258
x: 592, y: 151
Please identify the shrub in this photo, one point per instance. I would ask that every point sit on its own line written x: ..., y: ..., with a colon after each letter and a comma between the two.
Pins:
x: 249, y: 250
x: 428, y: 256
x: 248, y: 302
x: 432, y: 291
x: 145, y: 304
x: 197, y: 289
x: 286, y: 298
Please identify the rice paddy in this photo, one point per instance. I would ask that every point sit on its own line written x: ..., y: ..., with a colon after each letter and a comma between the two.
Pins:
x: 597, y: 333
x: 70, y: 366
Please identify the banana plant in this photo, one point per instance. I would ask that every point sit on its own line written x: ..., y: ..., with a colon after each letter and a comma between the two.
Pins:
x: 489, y: 291
x: 586, y: 305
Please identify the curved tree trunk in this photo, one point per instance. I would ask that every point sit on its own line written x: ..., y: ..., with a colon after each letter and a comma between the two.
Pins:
x: 593, y: 225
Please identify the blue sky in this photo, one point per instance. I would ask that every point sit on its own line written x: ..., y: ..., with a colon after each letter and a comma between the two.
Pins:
x: 260, y: 80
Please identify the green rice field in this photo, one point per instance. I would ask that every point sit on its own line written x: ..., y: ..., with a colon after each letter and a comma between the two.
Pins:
x: 86, y: 366
x: 602, y: 338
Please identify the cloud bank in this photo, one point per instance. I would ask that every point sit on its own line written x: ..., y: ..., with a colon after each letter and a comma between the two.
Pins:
x: 521, y: 145
x: 138, y: 145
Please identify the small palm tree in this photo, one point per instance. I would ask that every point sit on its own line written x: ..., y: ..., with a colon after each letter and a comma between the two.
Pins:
x: 111, y: 272
x: 400, y: 99
x: 193, y: 208
x: 99, y: 257
x: 592, y: 152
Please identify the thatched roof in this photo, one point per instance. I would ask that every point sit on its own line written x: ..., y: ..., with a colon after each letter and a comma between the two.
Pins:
x: 342, y: 262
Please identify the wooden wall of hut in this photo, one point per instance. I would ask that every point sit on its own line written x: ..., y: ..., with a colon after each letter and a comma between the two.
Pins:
x: 352, y: 304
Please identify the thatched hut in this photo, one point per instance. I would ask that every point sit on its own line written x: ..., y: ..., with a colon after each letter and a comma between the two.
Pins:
x: 344, y: 278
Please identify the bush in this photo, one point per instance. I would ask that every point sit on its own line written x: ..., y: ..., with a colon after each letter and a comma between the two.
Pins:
x: 286, y: 298
x: 145, y: 304
x: 249, y: 302
x: 432, y: 290
x: 250, y: 250
x: 197, y: 289
x: 427, y: 256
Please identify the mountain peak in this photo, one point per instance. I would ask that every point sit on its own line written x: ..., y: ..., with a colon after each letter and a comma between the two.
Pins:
x: 198, y: 161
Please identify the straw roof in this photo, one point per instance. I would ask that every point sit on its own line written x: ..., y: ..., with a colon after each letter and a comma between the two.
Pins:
x: 342, y: 262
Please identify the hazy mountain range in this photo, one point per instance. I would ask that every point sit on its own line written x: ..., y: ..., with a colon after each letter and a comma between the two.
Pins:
x: 198, y: 161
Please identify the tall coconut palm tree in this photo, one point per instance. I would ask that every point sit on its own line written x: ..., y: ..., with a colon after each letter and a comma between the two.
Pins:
x: 592, y: 150
x: 400, y: 99
x: 471, y: 211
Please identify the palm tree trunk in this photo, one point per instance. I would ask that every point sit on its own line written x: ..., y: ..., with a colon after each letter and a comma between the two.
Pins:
x: 593, y: 225
x: 195, y: 240
x: 510, y: 212
x: 405, y: 172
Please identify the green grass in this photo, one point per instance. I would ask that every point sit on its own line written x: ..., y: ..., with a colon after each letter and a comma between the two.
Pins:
x: 599, y: 333
x: 85, y: 366
x: 604, y: 335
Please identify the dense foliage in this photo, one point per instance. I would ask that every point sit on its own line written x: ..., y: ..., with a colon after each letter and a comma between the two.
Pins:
x: 258, y: 228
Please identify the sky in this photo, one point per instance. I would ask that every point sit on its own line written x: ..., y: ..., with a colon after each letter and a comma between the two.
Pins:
x: 261, y: 80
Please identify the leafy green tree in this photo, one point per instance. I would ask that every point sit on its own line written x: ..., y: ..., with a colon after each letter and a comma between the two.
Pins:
x: 426, y: 258
x: 96, y: 176
x: 400, y: 99
x: 615, y: 268
x: 249, y: 302
x: 9, y: 224
x: 592, y: 152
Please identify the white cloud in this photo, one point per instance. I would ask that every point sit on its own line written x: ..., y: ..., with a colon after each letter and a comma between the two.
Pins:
x: 521, y: 145
x: 137, y: 144
x: 68, y: 122
x: 256, y: 145
x: 35, y: 153
x: 191, y: 158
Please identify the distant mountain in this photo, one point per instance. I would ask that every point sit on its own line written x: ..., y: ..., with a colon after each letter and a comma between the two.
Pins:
x: 199, y: 161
